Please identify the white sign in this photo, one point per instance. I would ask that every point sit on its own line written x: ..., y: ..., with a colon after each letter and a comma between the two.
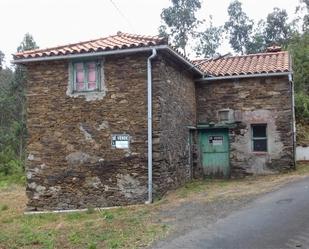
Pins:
x: 120, y: 141
x: 215, y: 140
x: 122, y: 144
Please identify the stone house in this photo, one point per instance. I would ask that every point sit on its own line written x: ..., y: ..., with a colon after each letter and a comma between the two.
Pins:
x: 116, y: 120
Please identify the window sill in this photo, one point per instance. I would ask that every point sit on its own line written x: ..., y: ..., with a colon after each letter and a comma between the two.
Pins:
x: 260, y: 153
x: 88, y: 95
x: 85, y: 92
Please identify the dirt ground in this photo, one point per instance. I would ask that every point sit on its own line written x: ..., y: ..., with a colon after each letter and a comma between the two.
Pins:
x: 202, y: 204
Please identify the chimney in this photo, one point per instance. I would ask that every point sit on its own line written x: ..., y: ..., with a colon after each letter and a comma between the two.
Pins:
x: 273, y: 48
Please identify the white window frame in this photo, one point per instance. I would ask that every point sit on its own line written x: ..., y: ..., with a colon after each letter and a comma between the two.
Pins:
x: 85, y: 68
x: 259, y: 138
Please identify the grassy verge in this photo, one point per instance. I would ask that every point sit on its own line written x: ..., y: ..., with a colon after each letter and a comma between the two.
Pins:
x: 8, y: 180
x: 127, y: 227
x: 212, y: 189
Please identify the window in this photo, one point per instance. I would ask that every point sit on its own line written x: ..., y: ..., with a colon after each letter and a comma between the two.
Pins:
x: 225, y: 115
x: 86, y: 76
x: 259, y: 137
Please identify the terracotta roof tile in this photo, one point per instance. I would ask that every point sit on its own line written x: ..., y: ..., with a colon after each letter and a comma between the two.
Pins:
x: 119, y: 41
x: 270, y: 62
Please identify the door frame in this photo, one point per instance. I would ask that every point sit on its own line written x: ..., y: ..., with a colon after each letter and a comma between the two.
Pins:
x: 203, y: 129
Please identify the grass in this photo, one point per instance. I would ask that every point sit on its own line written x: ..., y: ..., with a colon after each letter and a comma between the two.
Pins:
x: 7, y: 180
x: 125, y: 227
x: 212, y: 189
x: 118, y: 228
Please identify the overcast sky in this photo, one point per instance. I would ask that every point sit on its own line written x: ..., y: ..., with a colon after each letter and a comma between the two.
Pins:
x: 58, y: 22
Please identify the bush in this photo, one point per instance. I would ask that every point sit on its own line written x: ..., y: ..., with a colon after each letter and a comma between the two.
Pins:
x: 302, y: 107
x: 9, y: 164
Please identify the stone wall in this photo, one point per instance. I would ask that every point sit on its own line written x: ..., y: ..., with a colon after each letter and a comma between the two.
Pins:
x: 71, y: 163
x: 256, y: 100
x: 70, y: 160
x: 174, y: 110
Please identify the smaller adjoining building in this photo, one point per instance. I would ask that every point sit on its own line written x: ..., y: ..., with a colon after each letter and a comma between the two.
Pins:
x: 245, y: 114
x: 116, y: 120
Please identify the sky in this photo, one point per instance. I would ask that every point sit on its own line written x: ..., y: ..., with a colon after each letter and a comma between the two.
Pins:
x: 58, y: 22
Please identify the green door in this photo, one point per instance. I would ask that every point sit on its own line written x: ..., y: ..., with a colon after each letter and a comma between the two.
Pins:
x: 215, y: 152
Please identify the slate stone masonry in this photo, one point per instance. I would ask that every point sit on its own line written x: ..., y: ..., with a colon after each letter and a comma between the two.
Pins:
x: 254, y: 101
x: 70, y: 160
x: 71, y: 163
x: 175, y: 110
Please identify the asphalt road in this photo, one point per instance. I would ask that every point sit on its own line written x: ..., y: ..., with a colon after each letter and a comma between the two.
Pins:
x: 277, y: 220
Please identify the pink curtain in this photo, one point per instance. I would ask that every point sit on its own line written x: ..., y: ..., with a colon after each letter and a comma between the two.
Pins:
x: 91, y: 76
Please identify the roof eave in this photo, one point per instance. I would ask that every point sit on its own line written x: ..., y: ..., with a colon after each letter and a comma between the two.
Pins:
x: 110, y: 52
x: 86, y: 55
x: 256, y: 75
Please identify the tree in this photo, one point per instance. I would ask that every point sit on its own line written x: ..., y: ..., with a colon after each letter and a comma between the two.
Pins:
x: 8, y: 144
x: 1, y: 59
x: 12, y: 113
x: 239, y: 27
x: 27, y: 43
x: 180, y: 22
x: 305, y: 25
x: 257, y: 39
x: 277, y: 29
x: 209, y: 41
x: 299, y: 49
x: 18, y: 89
x: 302, y: 107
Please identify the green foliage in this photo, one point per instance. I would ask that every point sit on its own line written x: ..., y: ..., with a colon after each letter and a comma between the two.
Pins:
x: 302, y: 134
x: 299, y: 49
x: 239, y: 27
x: 302, y: 106
x: 9, y: 126
x: 9, y: 165
x: 305, y: 7
x: 246, y: 38
x: 257, y: 42
x: 209, y: 41
x: 6, y: 181
x: 1, y: 59
x: 277, y: 28
x: 180, y: 21
x: 28, y: 43
x: 12, y: 115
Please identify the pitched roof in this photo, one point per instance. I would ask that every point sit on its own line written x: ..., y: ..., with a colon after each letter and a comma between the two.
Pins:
x: 274, y: 62
x: 115, y: 42
x: 269, y: 62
